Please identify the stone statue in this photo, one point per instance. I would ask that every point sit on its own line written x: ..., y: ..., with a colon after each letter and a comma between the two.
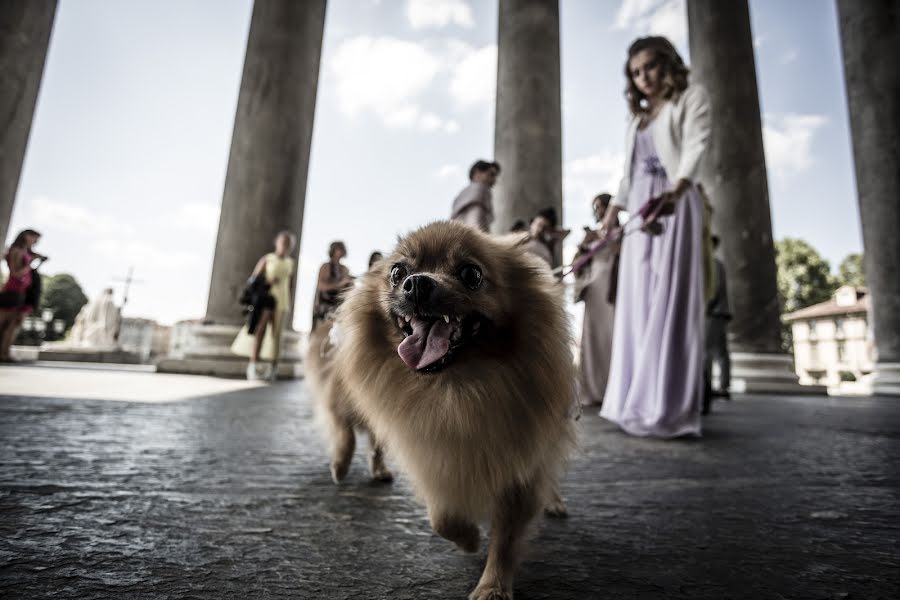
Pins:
x: 97, y: 324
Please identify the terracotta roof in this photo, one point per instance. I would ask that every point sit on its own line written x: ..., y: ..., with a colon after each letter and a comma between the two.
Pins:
x: 829, y: 308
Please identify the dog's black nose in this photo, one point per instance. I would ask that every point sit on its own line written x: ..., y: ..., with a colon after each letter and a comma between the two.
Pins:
x: 418, y: 288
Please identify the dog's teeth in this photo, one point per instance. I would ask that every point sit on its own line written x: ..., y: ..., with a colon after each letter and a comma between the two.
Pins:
x: 446, y: 319
x: 408, y: 318
x: 458, y: 319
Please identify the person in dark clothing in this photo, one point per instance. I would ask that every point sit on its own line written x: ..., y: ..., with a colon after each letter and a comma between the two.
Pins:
x: 718, y: 314
x: 334, y: 279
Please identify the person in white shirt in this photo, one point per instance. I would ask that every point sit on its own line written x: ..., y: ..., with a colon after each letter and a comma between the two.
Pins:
x: 473, y: 204
x: 655, y: 385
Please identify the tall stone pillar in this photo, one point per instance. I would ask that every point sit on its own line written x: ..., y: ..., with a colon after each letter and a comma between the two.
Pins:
x: 265, y: 185
x: 25, y: 27
x: 734, y: 175
x: 528, y: 130
x: 870, y: 37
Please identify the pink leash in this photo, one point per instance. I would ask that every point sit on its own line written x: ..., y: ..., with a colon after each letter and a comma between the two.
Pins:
x: 615, y: 235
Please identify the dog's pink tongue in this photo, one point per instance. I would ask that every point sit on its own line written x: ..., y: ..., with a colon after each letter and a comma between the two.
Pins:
x: 429, y: 342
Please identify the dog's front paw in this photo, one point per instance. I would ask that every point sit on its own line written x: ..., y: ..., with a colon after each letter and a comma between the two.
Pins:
x: 556, y: 509
x: 382, y: 475
x: 492, y: 591
x: 464, y: 534
x: 339, y: 471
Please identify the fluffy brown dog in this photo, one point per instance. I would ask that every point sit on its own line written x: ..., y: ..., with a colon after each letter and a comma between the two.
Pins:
x: 455, y: 352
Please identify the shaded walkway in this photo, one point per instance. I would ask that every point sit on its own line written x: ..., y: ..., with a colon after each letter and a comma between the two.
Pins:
x: 229, y: 496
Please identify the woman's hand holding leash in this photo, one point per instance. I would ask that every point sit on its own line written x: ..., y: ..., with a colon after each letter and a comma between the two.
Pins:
x: 662, y: 206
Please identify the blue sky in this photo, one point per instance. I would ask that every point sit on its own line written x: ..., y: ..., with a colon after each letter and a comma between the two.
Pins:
x: 127, y: 156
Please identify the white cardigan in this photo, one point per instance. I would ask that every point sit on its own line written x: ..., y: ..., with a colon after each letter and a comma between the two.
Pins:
x: 680, y: 134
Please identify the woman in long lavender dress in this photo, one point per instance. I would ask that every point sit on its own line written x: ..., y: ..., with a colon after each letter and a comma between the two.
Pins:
x: 655, y: 383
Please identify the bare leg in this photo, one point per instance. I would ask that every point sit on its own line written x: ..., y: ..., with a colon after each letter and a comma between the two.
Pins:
x: 514, y: 512
x: 277, y: 329
x: 11, y: 323
x: 5, y: 322
x: 377, y: 468
x: 264, y: 320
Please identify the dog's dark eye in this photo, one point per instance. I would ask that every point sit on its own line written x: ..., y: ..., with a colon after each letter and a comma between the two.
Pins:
x: 471, y: 276
x: 398, y: 274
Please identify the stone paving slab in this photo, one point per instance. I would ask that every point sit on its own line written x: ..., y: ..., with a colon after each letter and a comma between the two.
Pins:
x: 97, y: 381
x: 228, y: 496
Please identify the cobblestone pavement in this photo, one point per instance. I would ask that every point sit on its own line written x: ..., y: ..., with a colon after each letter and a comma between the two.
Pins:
x: 228, y: 496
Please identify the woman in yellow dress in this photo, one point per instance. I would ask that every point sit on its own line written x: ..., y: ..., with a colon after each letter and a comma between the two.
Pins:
x: 265, y: 342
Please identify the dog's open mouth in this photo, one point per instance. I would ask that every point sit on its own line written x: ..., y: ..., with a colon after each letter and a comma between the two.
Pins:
x: 431, y: 342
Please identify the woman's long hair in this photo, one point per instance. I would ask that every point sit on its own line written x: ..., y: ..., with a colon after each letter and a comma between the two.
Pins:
x: 22, y: 238
x: 674, y: 71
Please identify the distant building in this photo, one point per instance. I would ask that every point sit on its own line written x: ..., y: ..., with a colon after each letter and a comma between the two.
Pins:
x: 143, y: 337
x: 832, y: 340
x: 181, y: 337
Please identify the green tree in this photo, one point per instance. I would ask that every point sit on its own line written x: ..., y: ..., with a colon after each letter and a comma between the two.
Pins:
x: 62, y: 294
x: 804, y: 277
x: 851, y: 272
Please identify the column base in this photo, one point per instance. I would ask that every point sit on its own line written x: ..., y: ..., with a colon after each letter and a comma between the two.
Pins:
x: 758, y: 373
x: 206, y: 350
x: 92, y: 355
x: 886, y: 379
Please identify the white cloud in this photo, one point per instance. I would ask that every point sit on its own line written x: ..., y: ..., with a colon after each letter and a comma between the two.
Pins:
x: 197, y: 216
x: 587, y: 176
x: 448, y: 172
x: 759, y: 41
x: 142, y: 255
x: 474, y: 78
x: 388, y: 77
x: 788, y: 141
x: 68, y: 217
x: 604, y: 168
x: 656, y: 17
x: 383, y: 75
x: 423, y: 14
x: 430, y: 122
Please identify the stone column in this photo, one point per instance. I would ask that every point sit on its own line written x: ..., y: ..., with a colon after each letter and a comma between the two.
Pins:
x: 265, y: 185
x: 870, y: 38
x: 734, y: 175
x: 25, y: 27
x: 528, y: 130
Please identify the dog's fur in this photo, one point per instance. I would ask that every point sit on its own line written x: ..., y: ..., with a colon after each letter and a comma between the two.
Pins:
x: 336, y: 412
x: 484, y: 437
